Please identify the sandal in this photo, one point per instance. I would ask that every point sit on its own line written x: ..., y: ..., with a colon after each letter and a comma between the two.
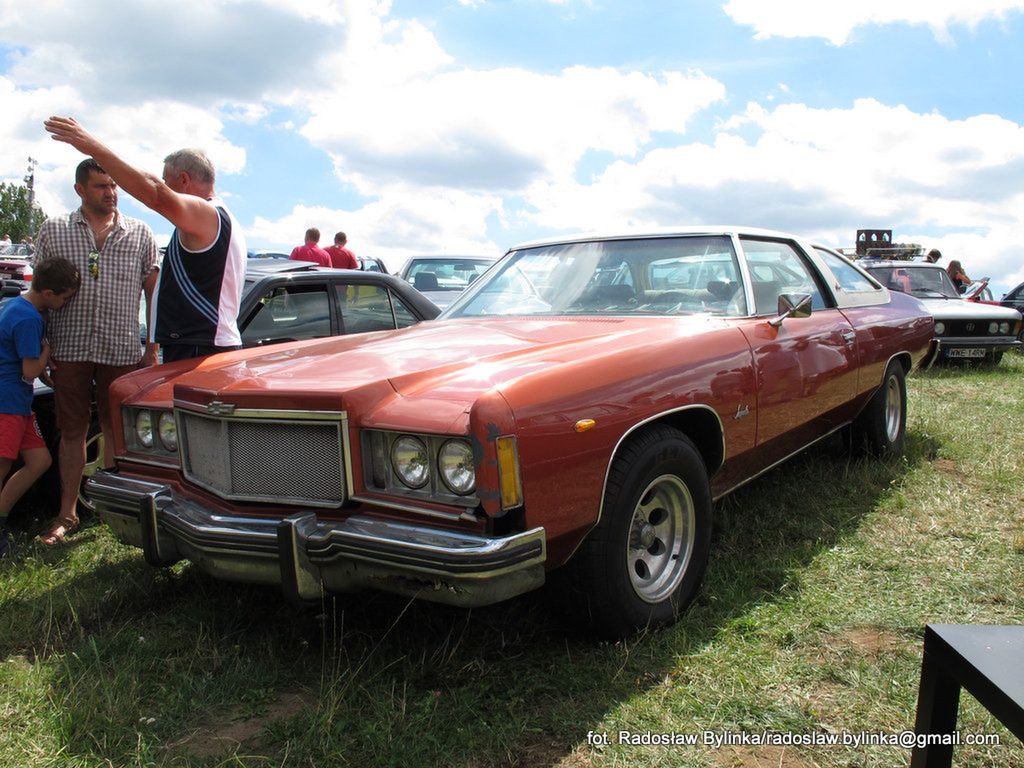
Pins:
x: 58, y: 532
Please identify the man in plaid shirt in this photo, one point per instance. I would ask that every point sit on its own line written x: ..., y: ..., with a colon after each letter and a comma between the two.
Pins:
x: 95, y: 336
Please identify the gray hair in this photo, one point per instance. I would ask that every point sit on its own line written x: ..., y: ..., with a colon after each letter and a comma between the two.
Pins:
x: 194, y: 162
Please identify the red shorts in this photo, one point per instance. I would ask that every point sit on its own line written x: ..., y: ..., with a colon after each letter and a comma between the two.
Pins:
x: 18, y: 434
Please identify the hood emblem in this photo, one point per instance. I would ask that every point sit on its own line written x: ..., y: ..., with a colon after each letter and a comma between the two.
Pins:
x: 218, y: 408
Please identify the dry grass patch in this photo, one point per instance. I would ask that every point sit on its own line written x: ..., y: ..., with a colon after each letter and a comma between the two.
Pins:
x: 238, y: 727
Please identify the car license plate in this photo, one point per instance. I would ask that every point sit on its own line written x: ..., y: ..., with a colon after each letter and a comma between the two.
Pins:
x: 5, y: 275
x: 966, y: 352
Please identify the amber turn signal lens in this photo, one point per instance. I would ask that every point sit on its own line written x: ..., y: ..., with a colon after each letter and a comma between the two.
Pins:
x: 508, y: 472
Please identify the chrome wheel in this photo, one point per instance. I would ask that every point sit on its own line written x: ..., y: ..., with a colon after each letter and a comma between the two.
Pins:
x: 661, y: 538
x: 893, y: 409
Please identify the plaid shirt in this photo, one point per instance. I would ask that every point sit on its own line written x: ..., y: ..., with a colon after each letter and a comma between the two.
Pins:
x: 101, y: 323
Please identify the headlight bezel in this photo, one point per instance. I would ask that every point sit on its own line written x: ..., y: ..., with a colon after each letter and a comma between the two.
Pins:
x: 155, y: 447
x: 383, y: 474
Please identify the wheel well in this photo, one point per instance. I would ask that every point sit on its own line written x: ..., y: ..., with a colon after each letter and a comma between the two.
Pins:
x: 906, y: 361
x: 703, y: 427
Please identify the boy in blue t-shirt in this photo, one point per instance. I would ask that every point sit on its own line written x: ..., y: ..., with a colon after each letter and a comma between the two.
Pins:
x: 24, y: 355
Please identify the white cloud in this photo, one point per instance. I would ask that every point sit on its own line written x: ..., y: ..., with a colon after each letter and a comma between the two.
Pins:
x: 142, y: 135
x: 836, y: 21
x: 192, y: 50
x: 394, y: 228
x: 823, y: 173
x: 499, y: 129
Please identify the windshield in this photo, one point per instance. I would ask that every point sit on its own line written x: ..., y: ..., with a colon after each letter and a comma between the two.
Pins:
x: 445, y: 274
x: 924, y: 282
x: 18, y: 249
x: 658, y: 276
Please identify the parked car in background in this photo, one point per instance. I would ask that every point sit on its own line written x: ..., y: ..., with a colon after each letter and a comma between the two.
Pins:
x: 15, y: 267
x: 1014, y: 299
x: 281, y: 301
x: 292, y: 300
x: 443, y: 278
x: 964, y: 330
x: 574, y: 414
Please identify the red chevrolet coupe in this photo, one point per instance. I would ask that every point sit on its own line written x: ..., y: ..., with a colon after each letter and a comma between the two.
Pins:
x: 580, y: 408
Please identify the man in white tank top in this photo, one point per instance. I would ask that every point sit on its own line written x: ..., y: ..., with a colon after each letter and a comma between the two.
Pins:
x: 201, y: 282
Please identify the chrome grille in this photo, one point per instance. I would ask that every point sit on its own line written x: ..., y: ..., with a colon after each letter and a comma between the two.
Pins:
x: 280, y: 460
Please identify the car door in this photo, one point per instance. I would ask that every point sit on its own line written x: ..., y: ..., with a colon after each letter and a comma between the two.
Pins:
x: 806, y: 368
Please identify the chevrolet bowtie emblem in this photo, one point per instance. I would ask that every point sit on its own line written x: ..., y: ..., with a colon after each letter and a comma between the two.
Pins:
x: 217, y: 408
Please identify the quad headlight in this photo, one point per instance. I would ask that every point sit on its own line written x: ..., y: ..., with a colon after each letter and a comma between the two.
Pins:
x: 151, y: 431
x: 411, y: 461
x: 144, y: 429
x: 455, y: 464
x: 168, y: 431
x: 940, y: 328
x: 429, y: 467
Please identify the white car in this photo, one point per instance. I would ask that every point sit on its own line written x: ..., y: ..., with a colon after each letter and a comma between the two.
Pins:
x: 963, y: 329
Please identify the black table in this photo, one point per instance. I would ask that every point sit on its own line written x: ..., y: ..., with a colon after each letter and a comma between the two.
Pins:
x: 986, y: 660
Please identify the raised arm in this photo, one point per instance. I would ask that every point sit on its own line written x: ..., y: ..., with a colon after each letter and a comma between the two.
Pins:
x: 196, y: 218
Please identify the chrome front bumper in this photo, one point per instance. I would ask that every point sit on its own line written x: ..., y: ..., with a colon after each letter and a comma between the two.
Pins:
x: 307, y: 556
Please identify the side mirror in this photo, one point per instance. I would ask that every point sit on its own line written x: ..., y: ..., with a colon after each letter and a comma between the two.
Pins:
x: 792, y: 305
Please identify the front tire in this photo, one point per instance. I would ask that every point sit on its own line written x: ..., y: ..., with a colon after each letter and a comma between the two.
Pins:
x: 641, y: 565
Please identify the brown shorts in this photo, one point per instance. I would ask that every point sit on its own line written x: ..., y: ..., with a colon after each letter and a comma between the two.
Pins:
x: 73, y: 393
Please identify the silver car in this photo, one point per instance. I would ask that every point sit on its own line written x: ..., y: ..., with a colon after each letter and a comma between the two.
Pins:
x: 442, y: 278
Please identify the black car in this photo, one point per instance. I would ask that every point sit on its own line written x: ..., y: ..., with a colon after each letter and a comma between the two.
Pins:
x: 293, y: 300
x: 1015, y: 299
x: 283, y: 300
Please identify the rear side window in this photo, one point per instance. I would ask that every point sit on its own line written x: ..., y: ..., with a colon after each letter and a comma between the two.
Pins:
x: 365, y: 308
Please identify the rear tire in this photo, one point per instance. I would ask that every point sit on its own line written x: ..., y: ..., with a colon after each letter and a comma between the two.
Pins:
x: 881, y: 428
x: 641, y: 565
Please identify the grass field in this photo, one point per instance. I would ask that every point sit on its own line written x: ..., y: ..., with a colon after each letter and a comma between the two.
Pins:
x: 823, y: 575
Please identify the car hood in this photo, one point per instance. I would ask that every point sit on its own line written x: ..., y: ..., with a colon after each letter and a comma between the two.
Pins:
x: 434, y: 369
x: 961, y: 309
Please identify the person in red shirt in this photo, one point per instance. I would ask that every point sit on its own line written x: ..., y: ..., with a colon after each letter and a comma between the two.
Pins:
x: 311, y: 251
x: 341, y: 257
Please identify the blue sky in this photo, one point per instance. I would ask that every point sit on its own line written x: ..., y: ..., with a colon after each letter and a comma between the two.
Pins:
x: 471, y: 125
